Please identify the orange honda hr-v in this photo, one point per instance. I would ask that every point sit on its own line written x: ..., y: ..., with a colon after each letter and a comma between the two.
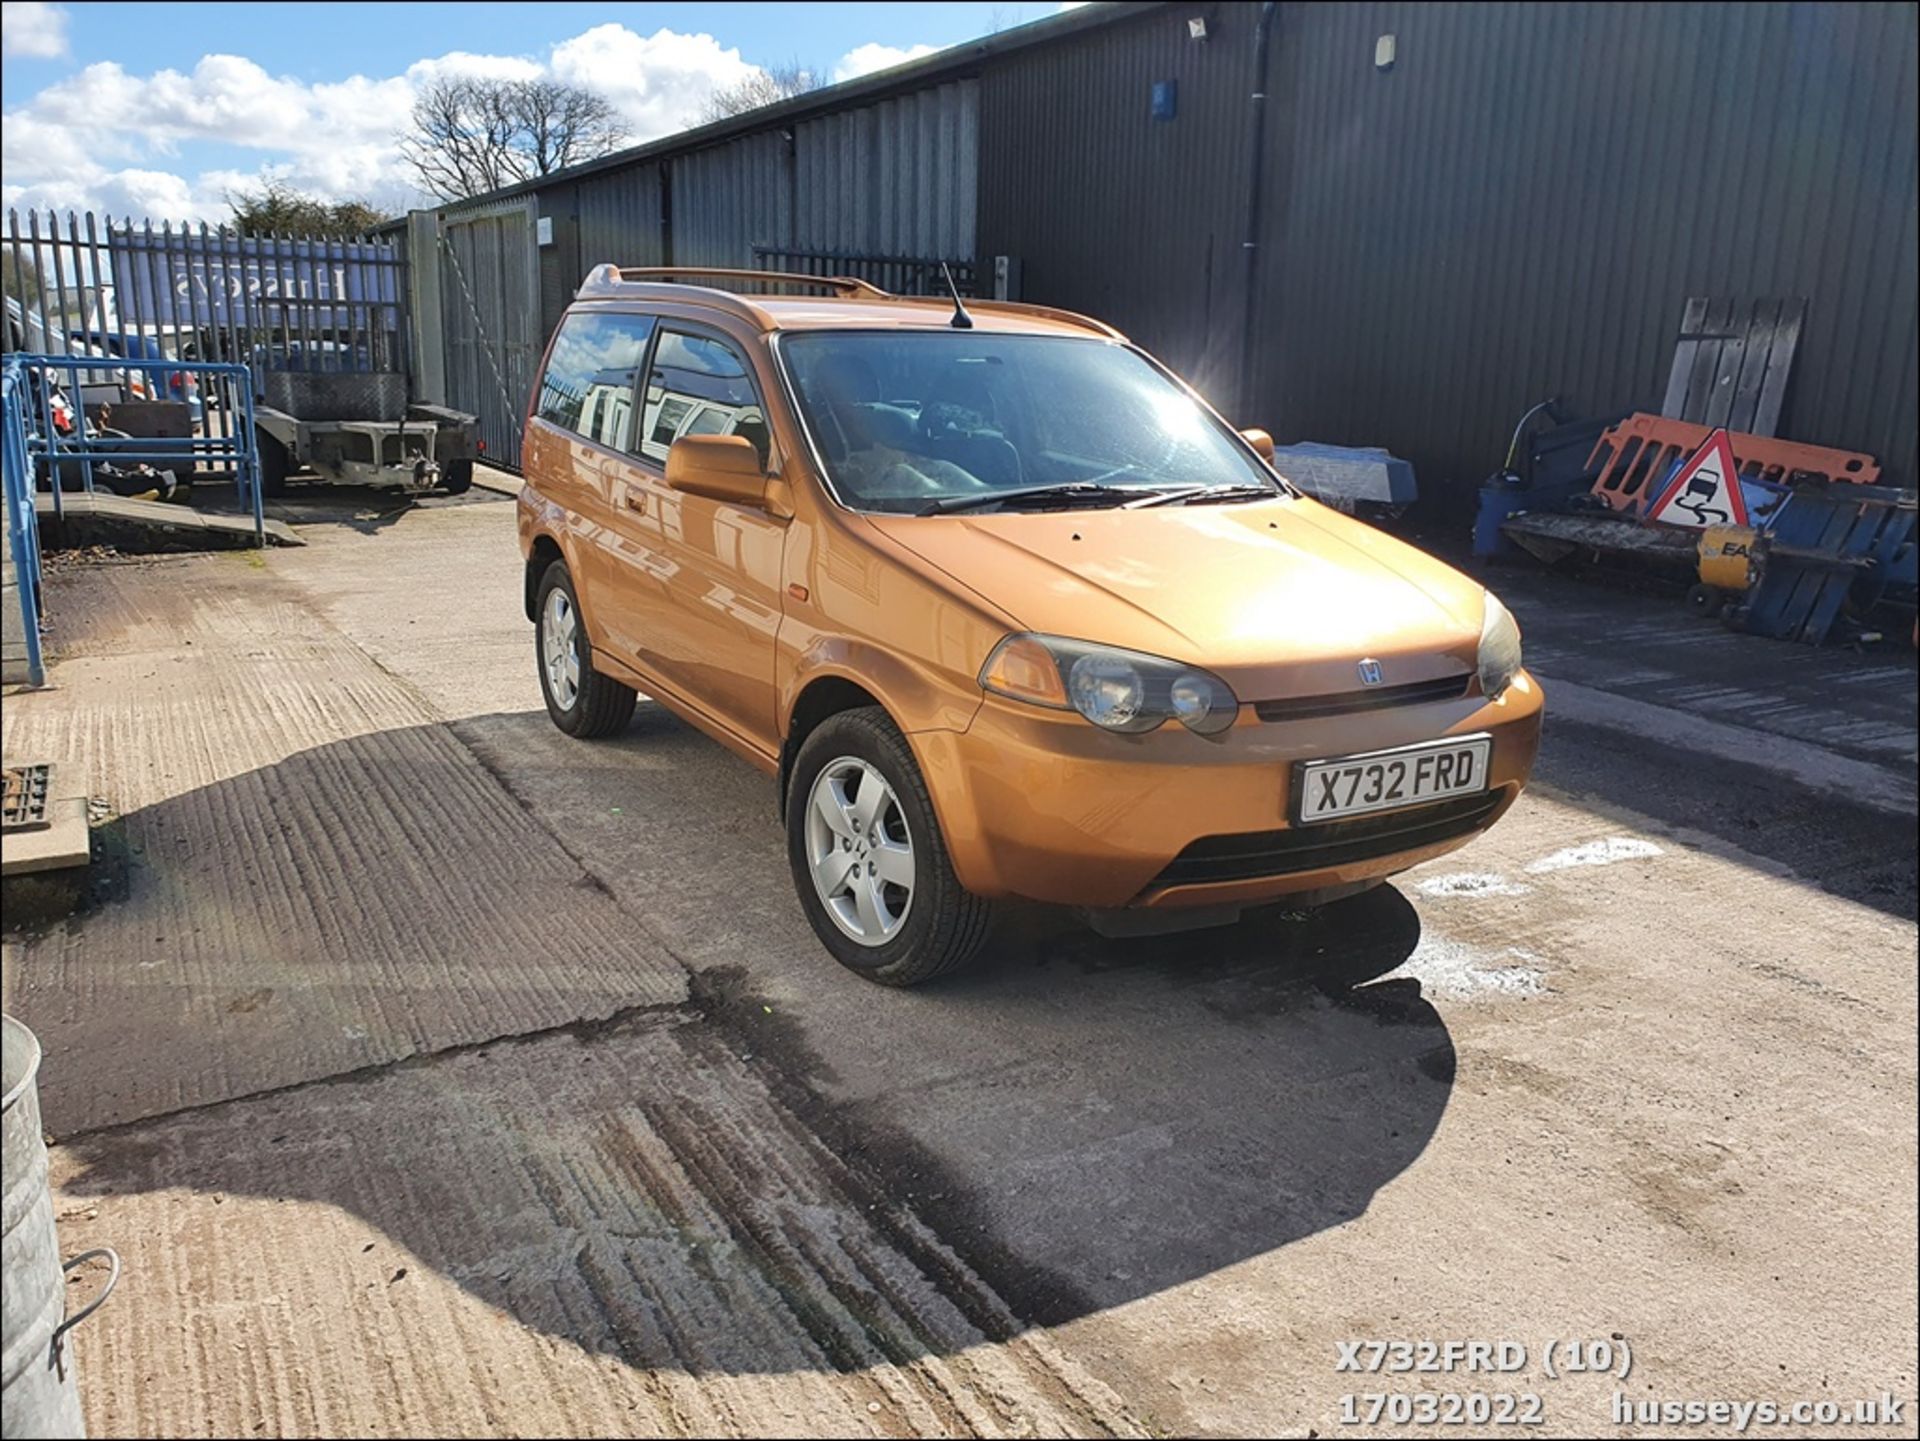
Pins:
x: 1003, y: 606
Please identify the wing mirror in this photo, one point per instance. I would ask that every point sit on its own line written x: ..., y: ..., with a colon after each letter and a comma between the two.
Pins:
x: 720, y: 467
x: 1260, y: 441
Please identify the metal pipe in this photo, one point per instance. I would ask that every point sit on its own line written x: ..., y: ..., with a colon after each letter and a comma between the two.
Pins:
x: 1256, y: 180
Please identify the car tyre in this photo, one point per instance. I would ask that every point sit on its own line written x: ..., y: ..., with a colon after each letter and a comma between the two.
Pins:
x: 582, y: 702
x: 941, y: 925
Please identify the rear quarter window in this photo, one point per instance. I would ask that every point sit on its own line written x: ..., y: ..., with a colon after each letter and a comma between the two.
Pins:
x: 591, y: 373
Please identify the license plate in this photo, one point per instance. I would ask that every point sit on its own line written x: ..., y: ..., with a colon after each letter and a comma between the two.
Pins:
x: 1387, y: 780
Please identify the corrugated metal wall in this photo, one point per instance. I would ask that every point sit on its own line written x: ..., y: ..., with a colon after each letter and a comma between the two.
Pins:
x: 897, y: 178
x: 1524, y: 202
x: 1136, y: 220
x: 616, y: 216
x: 729, y: 198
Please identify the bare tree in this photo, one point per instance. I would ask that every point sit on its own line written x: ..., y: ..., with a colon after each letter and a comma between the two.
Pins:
x: 470, y: 136
x: 763, y: 87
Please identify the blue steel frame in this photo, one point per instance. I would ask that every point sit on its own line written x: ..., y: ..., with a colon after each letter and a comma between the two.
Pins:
x: 228, y: 387
x: 23, y: 524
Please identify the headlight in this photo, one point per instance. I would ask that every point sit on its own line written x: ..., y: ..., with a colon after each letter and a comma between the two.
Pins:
x: 1118, y: 690
x: 1499, y: 649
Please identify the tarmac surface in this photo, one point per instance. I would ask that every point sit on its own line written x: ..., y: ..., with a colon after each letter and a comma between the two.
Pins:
x: 435, y: 1073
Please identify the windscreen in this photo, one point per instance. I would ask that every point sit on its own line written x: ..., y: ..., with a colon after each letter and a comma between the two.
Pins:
x: 921, y: 420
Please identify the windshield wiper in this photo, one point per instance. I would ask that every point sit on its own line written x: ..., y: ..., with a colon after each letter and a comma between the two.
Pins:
x: 1071, y: 491
x: 1206, y: 494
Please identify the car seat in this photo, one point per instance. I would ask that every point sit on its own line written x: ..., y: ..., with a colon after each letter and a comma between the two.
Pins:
x: 959, y: 424
x: 858, y: 415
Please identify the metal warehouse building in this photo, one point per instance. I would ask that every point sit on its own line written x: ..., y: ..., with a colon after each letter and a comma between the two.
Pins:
x: 1392, y: 224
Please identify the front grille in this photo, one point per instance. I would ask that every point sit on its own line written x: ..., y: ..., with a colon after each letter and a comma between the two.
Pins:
x: 1256, y: 854
x: 1348, y: 702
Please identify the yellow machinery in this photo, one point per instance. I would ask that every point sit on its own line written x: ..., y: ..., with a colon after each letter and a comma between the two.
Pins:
x: 1729, y: 556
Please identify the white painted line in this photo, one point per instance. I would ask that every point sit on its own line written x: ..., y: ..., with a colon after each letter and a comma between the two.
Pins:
x: 1460, y: 972
x: 1805, y: 761
x: 1609, y: 852
x: 1470, y: 883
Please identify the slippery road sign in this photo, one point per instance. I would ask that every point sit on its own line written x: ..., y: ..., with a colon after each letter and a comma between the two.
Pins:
x: 1705, y: 490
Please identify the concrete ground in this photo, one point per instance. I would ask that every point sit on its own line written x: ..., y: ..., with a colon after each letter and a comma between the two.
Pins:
x: 435, y: 1073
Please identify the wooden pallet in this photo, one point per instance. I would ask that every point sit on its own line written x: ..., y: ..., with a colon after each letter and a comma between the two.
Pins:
x: 1732, y: 361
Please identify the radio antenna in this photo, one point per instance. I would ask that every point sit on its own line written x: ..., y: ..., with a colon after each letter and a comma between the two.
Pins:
x: 961, y: 320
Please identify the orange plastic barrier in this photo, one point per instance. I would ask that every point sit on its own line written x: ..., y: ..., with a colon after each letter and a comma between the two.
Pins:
x: 1638, y: 453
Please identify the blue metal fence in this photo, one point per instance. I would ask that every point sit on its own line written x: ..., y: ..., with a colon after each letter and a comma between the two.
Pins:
x: 225, y: 440
x: 23, y: 524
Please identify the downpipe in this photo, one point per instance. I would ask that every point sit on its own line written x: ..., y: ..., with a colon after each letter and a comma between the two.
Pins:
x: 1256, y: 186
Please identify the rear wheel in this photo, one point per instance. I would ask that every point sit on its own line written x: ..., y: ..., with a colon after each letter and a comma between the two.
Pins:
x: 581, y: 701
x: 456, y: 476
x: 274, y: 464
x: 868, y: 858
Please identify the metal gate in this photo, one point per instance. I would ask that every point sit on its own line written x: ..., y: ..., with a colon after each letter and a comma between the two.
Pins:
x: 490, y: 308
x: 900, y: 274
x: 122, y: 289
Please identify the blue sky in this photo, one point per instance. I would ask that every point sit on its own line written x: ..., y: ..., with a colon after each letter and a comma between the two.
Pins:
x: 160, y: 109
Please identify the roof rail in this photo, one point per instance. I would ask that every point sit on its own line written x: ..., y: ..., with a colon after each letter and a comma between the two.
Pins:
x: 606, y: 280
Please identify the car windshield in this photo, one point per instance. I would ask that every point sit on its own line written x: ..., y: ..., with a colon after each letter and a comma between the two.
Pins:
x: 920, y: 421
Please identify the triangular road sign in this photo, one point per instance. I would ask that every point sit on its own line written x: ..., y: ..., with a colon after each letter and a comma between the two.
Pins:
x: 1705, y: 491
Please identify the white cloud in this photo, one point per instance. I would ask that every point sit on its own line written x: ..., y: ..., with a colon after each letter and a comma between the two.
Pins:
x: 33, y: 29
x: 658, y: 82
x: 865, y: 59
x: 464, y: 64
x: 99, y: 138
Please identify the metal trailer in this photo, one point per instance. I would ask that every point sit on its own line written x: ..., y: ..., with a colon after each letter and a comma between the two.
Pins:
x: 360, y: 429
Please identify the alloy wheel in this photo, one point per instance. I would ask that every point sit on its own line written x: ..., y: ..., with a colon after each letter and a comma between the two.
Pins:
x: 560, y: 648
x: 859, y: 851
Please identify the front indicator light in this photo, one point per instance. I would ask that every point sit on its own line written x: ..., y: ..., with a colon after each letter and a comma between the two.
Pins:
x: 1021, y: 668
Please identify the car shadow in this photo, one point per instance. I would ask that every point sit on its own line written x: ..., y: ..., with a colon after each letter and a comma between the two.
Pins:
x: 1081, y: 1122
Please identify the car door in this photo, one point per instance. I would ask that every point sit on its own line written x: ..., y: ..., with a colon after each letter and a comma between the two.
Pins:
x: 719, y: 564
x: 578, y: 444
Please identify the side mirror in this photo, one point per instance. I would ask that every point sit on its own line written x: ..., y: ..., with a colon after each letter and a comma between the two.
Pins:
x: 1260, y: 441
x: 720, y: 467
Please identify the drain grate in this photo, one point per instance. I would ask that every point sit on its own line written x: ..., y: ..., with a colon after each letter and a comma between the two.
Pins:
x: 26, y: 798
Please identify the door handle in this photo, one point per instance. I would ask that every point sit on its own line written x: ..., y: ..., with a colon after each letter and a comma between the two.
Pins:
x: 636, y: 500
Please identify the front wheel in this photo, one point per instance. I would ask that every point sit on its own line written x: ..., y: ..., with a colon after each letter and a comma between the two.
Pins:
x: 868, y: 858
x: 581, y: 701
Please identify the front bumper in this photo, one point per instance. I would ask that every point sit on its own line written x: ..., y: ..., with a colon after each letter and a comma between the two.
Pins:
x: 1041, y: 804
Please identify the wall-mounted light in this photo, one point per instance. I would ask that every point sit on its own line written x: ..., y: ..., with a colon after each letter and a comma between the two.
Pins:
x: 1196, y: 28
x: 1383, y: 51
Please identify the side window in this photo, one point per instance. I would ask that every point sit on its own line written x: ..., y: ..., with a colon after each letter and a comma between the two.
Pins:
x: 588, y: 385
x: 699, y: 386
